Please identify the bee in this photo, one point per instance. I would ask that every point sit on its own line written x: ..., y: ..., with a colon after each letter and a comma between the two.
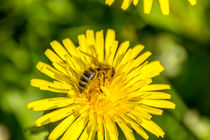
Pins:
x: 100, y: 72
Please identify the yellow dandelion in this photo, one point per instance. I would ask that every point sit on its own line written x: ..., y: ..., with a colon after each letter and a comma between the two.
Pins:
x: 105, y: 85
x: 164, y: 5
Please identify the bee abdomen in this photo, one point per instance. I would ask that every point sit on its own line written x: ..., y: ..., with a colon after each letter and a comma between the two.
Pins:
x: 86, y: 77
x: 82, y: 84
x: 89, y: 73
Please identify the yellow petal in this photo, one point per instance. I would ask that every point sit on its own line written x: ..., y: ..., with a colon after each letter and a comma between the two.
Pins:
x: 75, y: 129
x: 90, y: 37
x: 147, y: 6
x: 138, y: 85
x: 100, y: 45
x: 155, y: 87
x: 61, y: 128
x: 51, y: 103
x: 83, y: 44
x: 152, y: 127
x: 111, y: 128
x: 126, y: 57
x: 61, y: 67
x: 70, y: 47
x: 88, y: 133
x: 112, y: 52
x: 132, y: 53
x: 106, y: 133
x: 139, y: 60
x: 164, y: 6
x: 100, y: 132
x: 125, y: 68
x: 110, y: 38
x: 151, y: 110
x: 156, y: 95
x: 83, y: 47
x: 140, y: 114
x: 126, y: 4
x: 121, y: 52
x: 52, y: 56
x: 128, y: 132
x: 59, y: 49
x: 135, y: 126
x: 132, y: 76
x: 143, y: 73
x: 109, y: 2
x: 54, y: 116
x: 158, y: 103
x: 75, y: 64
x: 51, y: 86
x: 136, y: 50
x: 85, y: 134
x: 150, y: 70
x: 45, y: 102
x: 135, y: 2
x: 53, y: 73
x: 48, y: 70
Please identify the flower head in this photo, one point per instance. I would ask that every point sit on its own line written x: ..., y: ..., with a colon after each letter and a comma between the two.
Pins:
x: 164, y: 5
x: 105, y: 84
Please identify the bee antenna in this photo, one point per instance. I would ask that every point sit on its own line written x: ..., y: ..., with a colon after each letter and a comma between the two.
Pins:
x: 91, y: 56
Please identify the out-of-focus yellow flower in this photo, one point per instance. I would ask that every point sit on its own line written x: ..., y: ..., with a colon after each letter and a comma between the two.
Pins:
x: 192, y: 2
x: 164, y: 5
x: 104, y: 84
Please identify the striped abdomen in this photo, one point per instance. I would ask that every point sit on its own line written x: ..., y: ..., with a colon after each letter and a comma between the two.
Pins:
x: 86, y: 77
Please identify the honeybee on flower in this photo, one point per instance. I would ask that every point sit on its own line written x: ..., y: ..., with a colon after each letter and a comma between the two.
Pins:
x: 105, y: 85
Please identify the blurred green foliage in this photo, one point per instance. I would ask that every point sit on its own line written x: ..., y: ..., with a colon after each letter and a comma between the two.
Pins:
x: 180, y: 41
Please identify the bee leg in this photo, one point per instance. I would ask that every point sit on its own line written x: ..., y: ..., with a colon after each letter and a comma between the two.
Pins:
x: 101, y: 90
x: 104, y: 79
x: 99, y: 84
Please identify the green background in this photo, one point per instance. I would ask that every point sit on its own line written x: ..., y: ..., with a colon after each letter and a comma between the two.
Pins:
x: 180, y: 41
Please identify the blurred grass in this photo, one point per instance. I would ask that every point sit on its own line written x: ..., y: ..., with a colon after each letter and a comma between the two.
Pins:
x: 180, y: 41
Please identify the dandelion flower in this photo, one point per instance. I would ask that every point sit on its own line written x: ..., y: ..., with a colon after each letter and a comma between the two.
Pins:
x: 105, y: 85
x: 164, y: 5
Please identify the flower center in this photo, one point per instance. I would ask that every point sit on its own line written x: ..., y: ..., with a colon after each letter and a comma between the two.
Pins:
x: 101, y: 91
